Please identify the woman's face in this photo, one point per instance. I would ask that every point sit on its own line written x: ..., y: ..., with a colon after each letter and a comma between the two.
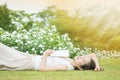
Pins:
x: 82, y: 60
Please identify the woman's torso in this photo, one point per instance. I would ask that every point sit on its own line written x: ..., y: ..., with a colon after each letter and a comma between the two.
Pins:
x: 52, y: 61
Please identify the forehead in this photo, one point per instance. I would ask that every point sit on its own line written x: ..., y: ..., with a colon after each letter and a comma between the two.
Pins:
x: 86, y: 59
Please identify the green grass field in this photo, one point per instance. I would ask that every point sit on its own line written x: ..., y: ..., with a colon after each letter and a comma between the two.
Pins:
x: 111, y: 72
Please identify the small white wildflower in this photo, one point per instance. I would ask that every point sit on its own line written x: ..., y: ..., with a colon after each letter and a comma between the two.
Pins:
x: 35, y: 52
x: 29, y: 42
x: 17, y: 41
x: 60, y: 48
x: 42, y: 31
x: 34, y: 35
x: 40, y: 37
x: 14, y: 32
x: 27, y: 52
x: 58, y: 37
x: 26, y: 36
x: 60, y: 44
x: 13, y: 47
x: 68, y: 39
x: 51, y: 39
x: 39, y: 19
x: 71, y: 44
x: 25, y: 19
x: 50, y: 34
x: 6, y: 32
x: 40, y: 46
x: 18, y: 36
x: 4, y: 36
x: 16, y: 47
x: 66, y: 34
x: 41, y: 51
x: 21, y: 42
x: 54, y: 28
x: 33, y: 49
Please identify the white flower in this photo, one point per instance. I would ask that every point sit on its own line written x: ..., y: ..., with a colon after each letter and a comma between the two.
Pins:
x: 27, y: 52
x: 4, y: 36
x: 40, y: 46
x: 41, y: 51
x: 42, y: 31
x: 50, y: 34
x: 25, y: 19
x: 18, y: 36
x: 34, y: 35
x: 33, y: 49
x: 14, y: 32
x: 58, y: 37
x: 39, y: 19
x: 26, y: 37
x: 71, y: 44
x: 17, y: 41
x: 51, y: 39
x: 29, y: 42
x: 54, y: 28
x: 40, y: 37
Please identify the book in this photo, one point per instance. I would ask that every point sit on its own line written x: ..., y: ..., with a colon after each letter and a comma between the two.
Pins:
x: 60, y: 53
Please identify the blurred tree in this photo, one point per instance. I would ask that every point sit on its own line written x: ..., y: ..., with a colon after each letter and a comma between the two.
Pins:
x: 47, y: 16
x: 5, y: 19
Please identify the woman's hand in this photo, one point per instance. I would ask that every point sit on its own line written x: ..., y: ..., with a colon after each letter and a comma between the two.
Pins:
x: 94, y: 58
x: 48, y: 53
x: 99, y: 69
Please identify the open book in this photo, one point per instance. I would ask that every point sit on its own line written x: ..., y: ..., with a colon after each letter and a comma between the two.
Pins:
x: 60, y: 53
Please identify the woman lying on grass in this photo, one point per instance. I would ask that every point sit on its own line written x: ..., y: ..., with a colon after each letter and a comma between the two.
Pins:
x: 11, y: 59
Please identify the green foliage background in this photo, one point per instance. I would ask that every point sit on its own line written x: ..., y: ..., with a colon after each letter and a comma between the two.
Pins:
x: 101, y: 32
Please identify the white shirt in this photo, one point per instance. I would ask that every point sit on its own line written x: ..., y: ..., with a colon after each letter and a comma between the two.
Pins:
x: 53, y: 61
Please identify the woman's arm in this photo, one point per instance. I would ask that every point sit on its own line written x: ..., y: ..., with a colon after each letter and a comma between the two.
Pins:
x: 94, y: 58
x: 43, y: 63
x: 43, y: 60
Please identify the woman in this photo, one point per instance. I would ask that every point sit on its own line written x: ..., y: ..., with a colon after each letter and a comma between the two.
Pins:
x: 11, y: 59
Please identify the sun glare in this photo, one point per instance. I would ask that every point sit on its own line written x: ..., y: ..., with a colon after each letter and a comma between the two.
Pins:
x: 105, y: 13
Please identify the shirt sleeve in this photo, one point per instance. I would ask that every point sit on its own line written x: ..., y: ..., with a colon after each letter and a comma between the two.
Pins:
x: 70, y: 67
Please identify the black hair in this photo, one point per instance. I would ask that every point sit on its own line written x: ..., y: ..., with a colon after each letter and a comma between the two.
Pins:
x: 89, y: 66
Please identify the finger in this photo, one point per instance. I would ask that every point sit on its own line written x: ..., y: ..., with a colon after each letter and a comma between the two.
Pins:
x: 101, y: 69
x: 95, y: 69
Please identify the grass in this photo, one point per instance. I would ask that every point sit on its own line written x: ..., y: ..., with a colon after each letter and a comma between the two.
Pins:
x: 111, y: 72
